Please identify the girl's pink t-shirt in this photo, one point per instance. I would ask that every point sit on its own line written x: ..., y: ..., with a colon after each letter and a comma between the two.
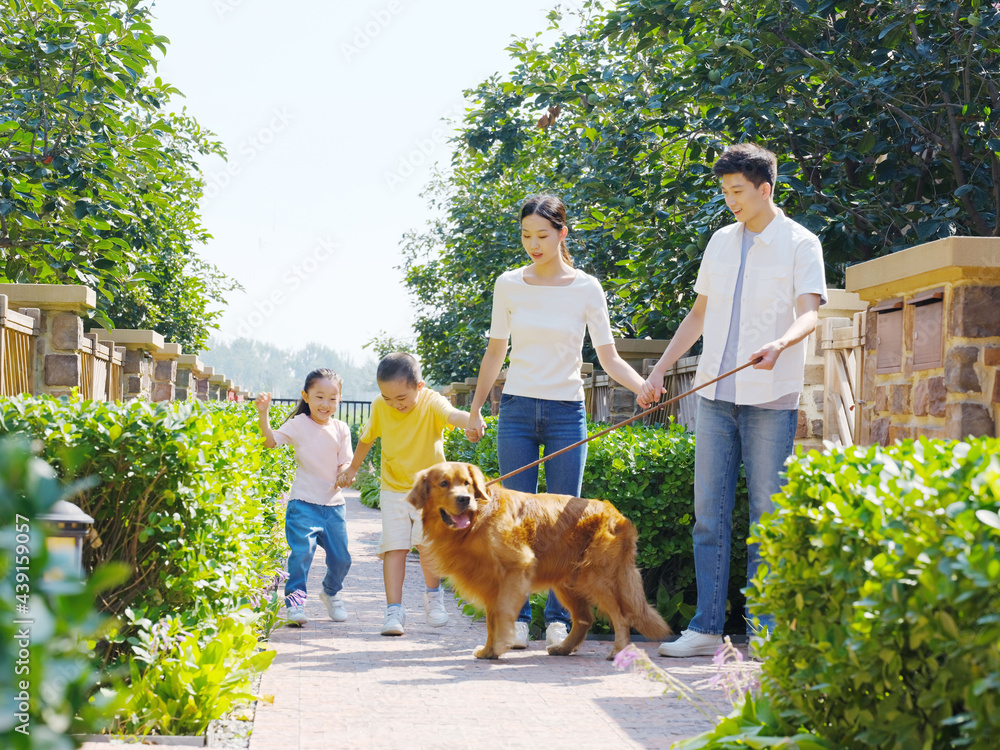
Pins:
x: 320, y: 452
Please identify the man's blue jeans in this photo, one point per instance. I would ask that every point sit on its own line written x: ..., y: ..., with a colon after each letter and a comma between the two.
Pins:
x: 308, y: 525
x: 726, y: 435
x: 525, y: 424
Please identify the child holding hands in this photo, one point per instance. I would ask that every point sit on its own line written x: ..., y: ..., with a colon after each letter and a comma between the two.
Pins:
x: 411, y: 420
x: 315, y: 513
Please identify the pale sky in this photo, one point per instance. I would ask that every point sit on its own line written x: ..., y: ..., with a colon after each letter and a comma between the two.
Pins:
x: 331, y: 113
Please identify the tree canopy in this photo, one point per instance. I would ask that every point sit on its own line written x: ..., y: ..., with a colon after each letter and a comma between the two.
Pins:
x: 98, y: 183
x: 884, y: 116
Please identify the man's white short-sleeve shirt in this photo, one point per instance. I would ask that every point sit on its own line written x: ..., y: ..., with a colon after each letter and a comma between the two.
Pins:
x: 784, y: 262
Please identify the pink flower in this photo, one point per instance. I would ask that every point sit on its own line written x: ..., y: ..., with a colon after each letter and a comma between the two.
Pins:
x: 626, y: 657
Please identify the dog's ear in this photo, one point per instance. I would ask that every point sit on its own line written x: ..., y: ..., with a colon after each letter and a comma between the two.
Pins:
x: 478, y: 482
x: 417, y: 496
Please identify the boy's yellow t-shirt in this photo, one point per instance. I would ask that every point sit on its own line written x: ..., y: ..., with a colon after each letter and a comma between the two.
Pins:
x: 411, y: 441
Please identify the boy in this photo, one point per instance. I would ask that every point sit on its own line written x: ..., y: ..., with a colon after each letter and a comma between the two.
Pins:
x: 759, y: 288
x: 411, y: 421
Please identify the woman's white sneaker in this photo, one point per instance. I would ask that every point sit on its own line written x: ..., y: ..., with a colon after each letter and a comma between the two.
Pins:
x: 555, y: 633
x: 691, y: 644
x: 520, y: 635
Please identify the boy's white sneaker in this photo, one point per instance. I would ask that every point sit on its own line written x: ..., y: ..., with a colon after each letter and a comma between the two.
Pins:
x: 691, y: 644
x: 520, y: 635
x: 437, y: 615
x: 395, y: 620
x: 555, y: 633
x: 296, y: 615
x: 334, y: 606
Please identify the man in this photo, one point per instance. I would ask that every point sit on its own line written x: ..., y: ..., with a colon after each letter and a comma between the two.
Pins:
x: 759, y: 288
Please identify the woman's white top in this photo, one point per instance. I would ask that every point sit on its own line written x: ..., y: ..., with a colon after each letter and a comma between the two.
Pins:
x: 546, y: 325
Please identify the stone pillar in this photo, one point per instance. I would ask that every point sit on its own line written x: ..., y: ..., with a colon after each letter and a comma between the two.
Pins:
x: 941, y: 379
x: 141, y: 345
x: 216, y: 392
x: 164, y: 373
x: 189, y: 368
x: 203, y: 391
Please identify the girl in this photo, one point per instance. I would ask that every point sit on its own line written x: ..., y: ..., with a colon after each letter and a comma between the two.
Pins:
x: 315, y: 514
x: 544, y: 308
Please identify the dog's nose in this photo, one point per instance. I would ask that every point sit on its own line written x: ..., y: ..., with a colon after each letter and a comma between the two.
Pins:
x: 463, y: 501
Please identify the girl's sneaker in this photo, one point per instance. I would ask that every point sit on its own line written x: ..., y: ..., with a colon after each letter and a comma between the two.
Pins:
x: 395, y: 619
x: 334, y: 606
x: 437, y: 615
x: 296, y: 615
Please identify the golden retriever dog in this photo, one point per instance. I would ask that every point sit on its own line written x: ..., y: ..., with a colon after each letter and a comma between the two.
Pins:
x: 496, y: 546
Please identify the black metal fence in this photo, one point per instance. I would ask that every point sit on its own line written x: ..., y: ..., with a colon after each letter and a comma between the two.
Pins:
x: 349, y: 411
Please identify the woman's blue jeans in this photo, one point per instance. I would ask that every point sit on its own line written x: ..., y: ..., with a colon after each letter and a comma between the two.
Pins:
x: 308, y: 525
x: 727, y: 434
x: 525, y: 425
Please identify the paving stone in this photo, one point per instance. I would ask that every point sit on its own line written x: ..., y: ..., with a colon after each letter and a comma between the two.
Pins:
x: 342, y: 685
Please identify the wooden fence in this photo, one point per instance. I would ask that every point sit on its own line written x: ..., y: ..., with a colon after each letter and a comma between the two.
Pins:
x: 17, y: 351
x: 101, y: 371
x: 842, y: 341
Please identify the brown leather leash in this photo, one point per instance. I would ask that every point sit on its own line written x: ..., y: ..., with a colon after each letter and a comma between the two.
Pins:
x: 630, y: 420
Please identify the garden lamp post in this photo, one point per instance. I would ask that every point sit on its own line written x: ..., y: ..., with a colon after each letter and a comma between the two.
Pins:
x: 67, y: 526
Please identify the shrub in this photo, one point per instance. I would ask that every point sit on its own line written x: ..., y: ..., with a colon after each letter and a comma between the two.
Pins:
x: 647, y: 472
x: 182, y: 497
x: 50, y: 673
x: 188, y: 679
x: 885, y: 584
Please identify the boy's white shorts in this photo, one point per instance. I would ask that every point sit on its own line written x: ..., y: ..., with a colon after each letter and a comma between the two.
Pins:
x: 401, y: 524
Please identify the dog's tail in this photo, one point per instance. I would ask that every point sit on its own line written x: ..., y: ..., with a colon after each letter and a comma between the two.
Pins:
x: 640, y: 614
x: 631, y: 597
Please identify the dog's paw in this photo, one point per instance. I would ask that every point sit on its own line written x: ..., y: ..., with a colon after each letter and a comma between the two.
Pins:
x: 483, y: 653
x: 559, y: 650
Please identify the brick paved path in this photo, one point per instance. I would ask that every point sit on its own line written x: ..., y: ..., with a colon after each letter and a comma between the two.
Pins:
x: 342, y: 685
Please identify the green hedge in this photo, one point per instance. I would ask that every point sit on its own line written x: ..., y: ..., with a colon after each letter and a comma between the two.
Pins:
x: 885, y: 584
x: 648, y: 474
x: 182, y: 497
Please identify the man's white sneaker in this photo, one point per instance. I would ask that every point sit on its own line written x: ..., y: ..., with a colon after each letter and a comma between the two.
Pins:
x: 691, y: 644
x: 555, y: 633
x: 296, y: 615
x: 437, y: 615
x: 334, y: 606
x: 395, y: 619
x: 520, y: 635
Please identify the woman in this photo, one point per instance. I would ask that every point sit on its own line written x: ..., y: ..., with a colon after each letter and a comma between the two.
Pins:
x: 544, y: 309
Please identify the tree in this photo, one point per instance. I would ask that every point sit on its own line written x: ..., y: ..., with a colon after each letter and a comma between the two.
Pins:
x: 884, y: 116
x: 98, y: 184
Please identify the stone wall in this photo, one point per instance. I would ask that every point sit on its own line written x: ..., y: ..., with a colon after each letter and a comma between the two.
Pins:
x: 959, y: 397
